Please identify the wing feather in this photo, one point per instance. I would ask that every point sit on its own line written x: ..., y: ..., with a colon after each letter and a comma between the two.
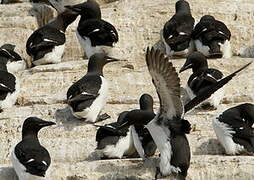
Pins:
x: 166, y: 82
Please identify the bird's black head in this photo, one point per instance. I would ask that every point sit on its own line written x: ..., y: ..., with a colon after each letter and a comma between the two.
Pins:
x: 146, y: 102
x: 97, y: 62
x: 207, y: 18
x: 87, y: 10
x: 8, y: 47
x: 197, y: 61
x: 247, y: 112
x: 32, y: 125
x: 182, y: 6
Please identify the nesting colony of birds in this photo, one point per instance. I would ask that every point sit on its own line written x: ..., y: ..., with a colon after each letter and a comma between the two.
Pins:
x: 155, y: 133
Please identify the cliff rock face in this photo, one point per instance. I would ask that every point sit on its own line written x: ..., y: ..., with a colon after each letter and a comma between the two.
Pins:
x: 43, y: 89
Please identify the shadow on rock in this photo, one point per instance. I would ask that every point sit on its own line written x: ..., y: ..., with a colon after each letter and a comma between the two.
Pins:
x: 65, y: 118
x: 94, y: 156
x: 211, y: 147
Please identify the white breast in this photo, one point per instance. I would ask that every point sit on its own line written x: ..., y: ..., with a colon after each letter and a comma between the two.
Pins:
x: 11, y: 98
x: 86, y: 44
x: 202, y: 48
x: 52, y: 57
x: 15, y: 66
x: 224, y: 134
x: 226, y: 49
x: 91, y: 113
x: 161, y: 137
x: 124, y: 146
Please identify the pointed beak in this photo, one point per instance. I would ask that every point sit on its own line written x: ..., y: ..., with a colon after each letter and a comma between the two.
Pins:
x: 46, y: 123
x: 75, y: 8
x: 185, y: 67
x: 110, y: 59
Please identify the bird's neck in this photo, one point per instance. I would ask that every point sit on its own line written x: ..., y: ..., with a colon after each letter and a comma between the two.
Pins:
x: 87, y: 16
x: 95, y: 70
x: 30, y: 135
x: 199, y: 69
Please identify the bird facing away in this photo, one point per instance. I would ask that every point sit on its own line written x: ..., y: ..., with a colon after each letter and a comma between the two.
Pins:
x: 204, y: 79
x: 93, y: 33
x: 46, y: 44
x: 130, y: 141
x: 88, y: 96
x: 212, y: 38
x: 177, y: 31
x: 234, y: 129
x: 168, y: 128
x: 10, y: 59
x: 31, y: 160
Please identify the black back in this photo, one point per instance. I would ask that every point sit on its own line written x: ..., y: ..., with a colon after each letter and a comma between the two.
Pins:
x: 98, y: 31
x: 109, y: 135
x: 211, y: 32
x: 241, y: 118
x: 181, y: 22
x: 29, y: 149
x: 7, y: 84
x: 89, y: 85
x: 203, y: 79
x: 43, y: 41
x: 7, y: 53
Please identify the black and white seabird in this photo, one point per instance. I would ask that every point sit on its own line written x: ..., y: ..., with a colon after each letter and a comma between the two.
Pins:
x: 46, y: 44
x: 212, y: 38
x: 29, y: 158
x: 93, y: 33
x: 204, y: 79
x: 10, y: 59
x: 234, y: 129
x: 168, y: 128
x: 88, y: 96
x: 9, y: 87
x: 177, y: 31
x: 132, y: 140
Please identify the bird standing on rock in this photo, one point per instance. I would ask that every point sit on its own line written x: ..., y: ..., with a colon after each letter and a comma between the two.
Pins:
x: 46, y: 44
x: 177, y: 31
x: 212, y: 38
x: 234, y: 129
x: 88, y: 96
x: 93, y: 33
x: 31, y: 160
x: 168, y: 128
x: 204, y: 79
x: 130, y: 140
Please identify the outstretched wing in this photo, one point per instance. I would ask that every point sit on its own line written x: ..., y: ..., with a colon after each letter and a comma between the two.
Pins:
x: 166, y: 82
x: 207, y: 92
